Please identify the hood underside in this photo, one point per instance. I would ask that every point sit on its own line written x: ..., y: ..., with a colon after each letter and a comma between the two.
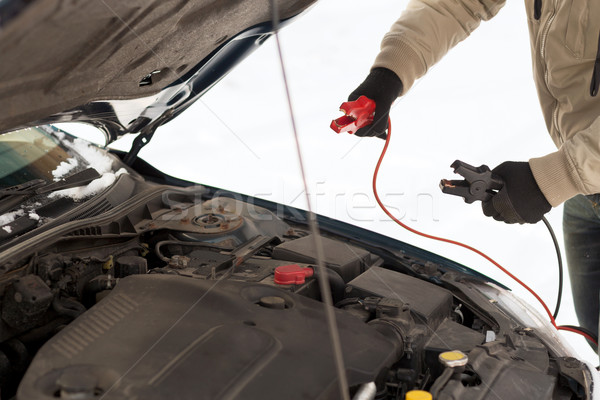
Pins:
x: 61, y: 55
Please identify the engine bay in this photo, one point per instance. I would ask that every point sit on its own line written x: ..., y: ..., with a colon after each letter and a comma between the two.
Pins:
x: 176, y: 292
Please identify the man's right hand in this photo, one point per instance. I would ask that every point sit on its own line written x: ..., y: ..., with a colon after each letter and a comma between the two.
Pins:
x: 382, y: 86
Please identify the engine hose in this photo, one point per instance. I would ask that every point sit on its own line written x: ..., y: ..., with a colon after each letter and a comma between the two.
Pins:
x: 336, y: 283
x: 98, y: 285
x: 347, y: 302
x: 188, y: 244
x: 68, y: 307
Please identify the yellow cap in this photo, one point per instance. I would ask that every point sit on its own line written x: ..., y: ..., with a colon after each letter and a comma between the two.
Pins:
x: 454, y: 358
x: 452, y: 355
x: 418, y: 395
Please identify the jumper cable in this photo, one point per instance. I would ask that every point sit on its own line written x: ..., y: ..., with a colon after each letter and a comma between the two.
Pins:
x: 351, y: 124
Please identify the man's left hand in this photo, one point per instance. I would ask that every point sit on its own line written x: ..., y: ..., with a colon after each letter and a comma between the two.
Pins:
x: 520, y: 200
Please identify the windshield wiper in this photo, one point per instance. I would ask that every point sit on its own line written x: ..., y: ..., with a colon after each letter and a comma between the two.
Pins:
x: 39, y: 186
x: 23, y: 187
x: 12, y: 196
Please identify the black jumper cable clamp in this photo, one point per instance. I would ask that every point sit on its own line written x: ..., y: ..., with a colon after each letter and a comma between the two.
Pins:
x: 479, y: 182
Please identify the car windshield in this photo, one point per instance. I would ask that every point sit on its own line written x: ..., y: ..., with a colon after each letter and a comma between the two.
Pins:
x: 47, y: 157
x: 29, y: 154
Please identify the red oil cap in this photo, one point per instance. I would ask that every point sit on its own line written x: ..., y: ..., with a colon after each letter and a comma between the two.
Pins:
x: 292, y: 274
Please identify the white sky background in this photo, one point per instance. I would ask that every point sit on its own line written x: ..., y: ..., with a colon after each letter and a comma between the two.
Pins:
x: 478, y: 105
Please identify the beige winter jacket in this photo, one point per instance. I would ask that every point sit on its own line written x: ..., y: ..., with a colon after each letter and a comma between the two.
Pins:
x: 564, y: 44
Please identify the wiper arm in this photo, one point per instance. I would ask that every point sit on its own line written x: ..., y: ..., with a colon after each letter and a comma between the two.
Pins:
x: 39, y: 186
x: 78, y: 179
x: 23, y: 188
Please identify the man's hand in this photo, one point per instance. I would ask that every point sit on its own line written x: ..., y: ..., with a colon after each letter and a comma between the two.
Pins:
x: 382, y: 86
x: 520, y: 200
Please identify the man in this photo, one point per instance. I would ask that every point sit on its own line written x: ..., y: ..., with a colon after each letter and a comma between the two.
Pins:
x: 565, y: 46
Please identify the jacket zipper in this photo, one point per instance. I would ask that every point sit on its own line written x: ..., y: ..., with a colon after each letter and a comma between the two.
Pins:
x: 545, y: 32
x: 537, y: 9
x: 596, y: 73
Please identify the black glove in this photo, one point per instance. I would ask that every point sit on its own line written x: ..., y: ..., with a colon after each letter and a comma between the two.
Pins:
x: 520, y: 200
x: 382, y: 86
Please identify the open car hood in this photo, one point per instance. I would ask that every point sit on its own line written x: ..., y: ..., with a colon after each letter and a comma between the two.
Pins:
x: 125, y: 67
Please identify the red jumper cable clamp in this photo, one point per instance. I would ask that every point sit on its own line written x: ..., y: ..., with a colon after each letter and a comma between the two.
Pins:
x: 357, y: 114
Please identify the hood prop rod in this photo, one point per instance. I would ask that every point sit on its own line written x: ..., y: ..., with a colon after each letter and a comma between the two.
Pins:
x: 314, y: 229
x: 144, y: 137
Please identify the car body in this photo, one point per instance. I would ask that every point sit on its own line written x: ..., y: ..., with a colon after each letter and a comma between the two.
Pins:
x: 119, y: 281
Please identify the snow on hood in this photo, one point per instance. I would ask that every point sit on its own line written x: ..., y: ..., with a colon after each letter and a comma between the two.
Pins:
x: 94, y: 187
x: 64, y: 168
x: 10, y: 217
x: 33, y: 215
x: 94, y: 158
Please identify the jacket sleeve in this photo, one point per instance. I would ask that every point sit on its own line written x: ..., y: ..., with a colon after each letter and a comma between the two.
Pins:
x: 573, y: 169
x: 426, y: 31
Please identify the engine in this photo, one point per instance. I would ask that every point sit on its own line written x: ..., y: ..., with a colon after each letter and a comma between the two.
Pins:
x: 221, y: 299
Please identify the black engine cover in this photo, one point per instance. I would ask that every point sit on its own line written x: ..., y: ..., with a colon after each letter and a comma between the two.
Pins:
x: 159, y: 336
